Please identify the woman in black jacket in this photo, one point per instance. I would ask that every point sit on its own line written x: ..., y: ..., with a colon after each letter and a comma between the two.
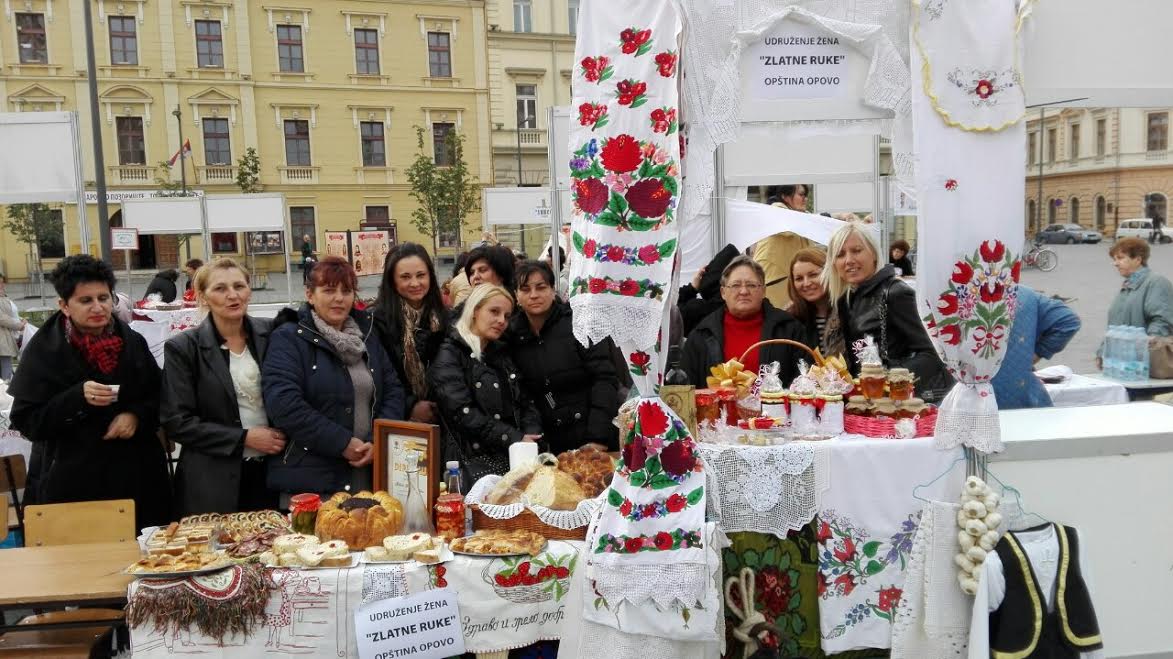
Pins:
x: 87, y: 397
x: 706, y: 284
x: 410, y: 320
x: 212, y: 401
x: 574, y: 389
x: 482, y: 406
x: 865, y: 294
x: 326, y: 379
x: 163, y: 285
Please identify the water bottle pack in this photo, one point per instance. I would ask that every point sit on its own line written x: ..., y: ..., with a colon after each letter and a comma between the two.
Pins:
x: 1126, y: 353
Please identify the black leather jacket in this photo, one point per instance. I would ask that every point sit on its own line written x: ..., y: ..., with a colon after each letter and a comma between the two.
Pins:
x: 908, y: 343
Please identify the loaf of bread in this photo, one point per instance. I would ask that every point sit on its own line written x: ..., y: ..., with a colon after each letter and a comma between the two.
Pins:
x: 554, y: 488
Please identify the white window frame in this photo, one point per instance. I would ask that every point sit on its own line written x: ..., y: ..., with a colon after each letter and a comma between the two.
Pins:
x: 573, y: 8
x: 533, y: 123
x: 523, y: 16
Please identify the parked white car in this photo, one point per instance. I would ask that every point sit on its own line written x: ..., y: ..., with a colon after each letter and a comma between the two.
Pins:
x: 1141, y: 228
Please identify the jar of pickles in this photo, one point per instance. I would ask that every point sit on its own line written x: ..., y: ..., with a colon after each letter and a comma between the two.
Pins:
x: 859, y: 406
x: 873, y: 381
x: 900, y: 384
x: 303, y: 512
x: 707, y: 408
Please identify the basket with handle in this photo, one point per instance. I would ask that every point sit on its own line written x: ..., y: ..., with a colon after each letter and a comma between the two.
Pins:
x: 814, y: 352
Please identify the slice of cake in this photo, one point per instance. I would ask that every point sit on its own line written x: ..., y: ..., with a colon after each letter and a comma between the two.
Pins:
x: 427, y: 556
x: 311, y: 556
x: 377, y: 554
x: 290, y: 543
x: 401, y: 547
x: 337, y: 554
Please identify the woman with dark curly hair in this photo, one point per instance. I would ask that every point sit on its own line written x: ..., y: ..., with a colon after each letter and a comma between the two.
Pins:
x: 87, y: 396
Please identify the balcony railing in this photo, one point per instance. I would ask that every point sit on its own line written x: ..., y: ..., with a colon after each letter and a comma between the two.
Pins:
x: 299, y: 175
x: 531, y: 136
x: 132, y: 174
x: 1157, y: 156
x: 217, y: 173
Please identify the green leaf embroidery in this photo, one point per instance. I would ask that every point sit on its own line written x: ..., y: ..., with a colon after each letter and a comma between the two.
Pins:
x: 667, y: 248
x: 637, y: 223
x: 871, y: 548
x: 670, y: 185
x: 752, y: 558
x: 652, y: 465
x: 660, y: 482
x: 608, y: 219
x: 784, y: 561
x: 643, y: 50
x: 578, y: 241
x: 638, y: 478
x: 695, y: 496
x: 796, y: 622
x: 770, y: 557
x: 659, y: 171
x: 603, y: 121
x: 614, y: 498
x: 638, y: 102
x: 617, y: 204
x: 645, y: 169
x: 873, y: 568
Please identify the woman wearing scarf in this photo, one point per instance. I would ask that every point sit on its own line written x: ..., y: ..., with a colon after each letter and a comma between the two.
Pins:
x: 87, y: 396
x: 409, y: 317
x: 326, y: 379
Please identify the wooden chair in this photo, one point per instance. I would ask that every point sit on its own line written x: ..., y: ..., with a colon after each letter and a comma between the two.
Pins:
x: 13, y: 474
x: 67, y: 524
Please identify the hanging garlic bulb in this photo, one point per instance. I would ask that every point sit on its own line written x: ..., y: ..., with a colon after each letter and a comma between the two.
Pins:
x: 978, y: 520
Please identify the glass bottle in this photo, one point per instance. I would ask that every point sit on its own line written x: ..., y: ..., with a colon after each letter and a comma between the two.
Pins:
x: 450, y: 506
x: 415, y: 513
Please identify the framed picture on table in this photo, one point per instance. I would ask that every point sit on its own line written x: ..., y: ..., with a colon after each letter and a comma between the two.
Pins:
x: 393, y: 441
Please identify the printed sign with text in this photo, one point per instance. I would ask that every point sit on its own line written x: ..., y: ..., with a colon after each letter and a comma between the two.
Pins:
x: 798, y: 61
x: 423, y: 626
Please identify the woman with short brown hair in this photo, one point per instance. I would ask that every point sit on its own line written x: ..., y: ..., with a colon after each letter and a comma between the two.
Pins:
x: 1146, y: 298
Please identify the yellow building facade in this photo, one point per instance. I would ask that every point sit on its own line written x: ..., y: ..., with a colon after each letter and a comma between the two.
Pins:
x: 329, y: 93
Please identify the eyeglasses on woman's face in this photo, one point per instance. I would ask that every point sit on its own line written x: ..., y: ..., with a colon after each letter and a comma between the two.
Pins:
x: 750, y: 286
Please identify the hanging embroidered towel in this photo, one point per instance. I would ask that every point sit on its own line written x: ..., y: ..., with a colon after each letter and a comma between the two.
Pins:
x: 648, y: 543
x: 625, y: 172
x: 970, y: 68
x: 970, y: 187
x: 865, y: 531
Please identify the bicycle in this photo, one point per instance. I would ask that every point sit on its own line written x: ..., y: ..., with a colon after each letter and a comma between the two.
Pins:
x: 1041, y: 258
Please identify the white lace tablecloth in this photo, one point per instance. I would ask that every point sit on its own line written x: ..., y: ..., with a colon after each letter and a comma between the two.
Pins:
x: 768, y: 489
x: 1079, y: 390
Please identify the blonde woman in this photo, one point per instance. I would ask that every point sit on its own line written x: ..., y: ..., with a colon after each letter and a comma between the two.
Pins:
x: 212, y: 401
x: 482, y: 406
x: 873, y: 301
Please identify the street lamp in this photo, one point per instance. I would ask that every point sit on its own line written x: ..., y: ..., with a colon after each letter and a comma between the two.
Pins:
x: 182, y: 168
x: 520, y: 120
x: 1038, y: 219
x: 96, y: 125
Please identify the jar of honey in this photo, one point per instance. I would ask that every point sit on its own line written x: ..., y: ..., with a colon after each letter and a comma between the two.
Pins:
x: 707, y: 408
x: 873, y: 381
x: 900, y: 384
x: 859, y: 406
x: 911, y: 408
x: 884, y: 407
x: 303, y: 512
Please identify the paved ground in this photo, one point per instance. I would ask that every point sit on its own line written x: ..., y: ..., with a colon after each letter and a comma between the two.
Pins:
x: 1085, y: 273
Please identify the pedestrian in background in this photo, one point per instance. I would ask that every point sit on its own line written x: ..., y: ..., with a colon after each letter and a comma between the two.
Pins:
x: 163, y: 285
x: 1043, y: 327
x: 11, y: 325
x: 1145, y: 298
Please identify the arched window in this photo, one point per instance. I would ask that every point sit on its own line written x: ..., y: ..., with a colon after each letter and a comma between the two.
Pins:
x: 1052, y: 209
x: 1101, y: 212
x: 1156, y: 204
x: 1073, y: 210
x: 1032, y: 219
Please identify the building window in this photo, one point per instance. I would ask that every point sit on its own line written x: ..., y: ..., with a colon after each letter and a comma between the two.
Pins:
x: 1100, y: 212
x: 1073, y: 210
x: 30, y: 39
x: 1052, y: 144
x: 1101, y: 137
x: 377, y: 216
x: 1158, y: 134
x: 442, y: 145
x: 224, y: 243
x: 301, y: 224
x: 217, y: 148
x: 289, y: 54
x: 1052, y: 209
x: 51, y: 242
x: 439, y: 55
x: 527, y: 106
x: 449, y: 239
x: 131, y: 148
x: 522, y: 16
x: 297, y: 143
x: 374, y: 149
x: 1032, y: 146
x: 209, y: 45
x: 1073, y: 143
x: 366, y: 52
x: 572, y: 15
x: 1031, y: 212
x: 123, y: 40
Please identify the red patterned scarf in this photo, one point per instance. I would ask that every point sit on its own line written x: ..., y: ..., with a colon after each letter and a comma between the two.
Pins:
x: 101, y: 351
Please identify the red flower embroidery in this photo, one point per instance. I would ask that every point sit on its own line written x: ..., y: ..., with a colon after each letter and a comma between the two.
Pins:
x: 634, y: 455
x: 632, y: 545
x: 649, y: 511
x: 822, y: 584
x: 639, y: 358
x: 653, y: 422
x: 589, y: 247
x: 847, y: 554
x: 591, y: 196
x: 677, y: 459
x: 631, y: 92
x: 595, y: 69
x: 663, y: 541
x: 615, y: 254
x: 596, y: 285
x: 847, y: 582
x: 629, y: 287
x: 991, y: 294
x: 666, y: 62
x: 649, y: 254
x: 632, y: 41
x: 947, y: 305
x: 648, y: 198
x: 621, y: 154
x: 962, y: 272
x: 951, y: 184
x: 824, y: 533
x: 676, y: 503
x: 663, y: 120
x: 984, y: 89
x: 949, y: 334
x: 1016, y: 271
x: 889, y: 598
x: 593, y: 115
x: 625, y: 508
x: 992, y: 251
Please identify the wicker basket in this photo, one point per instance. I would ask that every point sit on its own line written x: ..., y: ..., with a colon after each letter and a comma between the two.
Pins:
x: 868, y: 426
x: 815, y: 354
x: 527, y: 521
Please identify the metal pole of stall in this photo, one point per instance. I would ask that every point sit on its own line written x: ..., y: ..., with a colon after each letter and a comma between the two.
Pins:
x: 95, y: 123
x: 718, y: 200
x: 79, y: 181
x: 555, y: 195
x: 182, y: 157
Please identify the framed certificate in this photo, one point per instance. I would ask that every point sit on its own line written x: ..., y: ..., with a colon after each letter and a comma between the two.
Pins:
x: 393, y: 441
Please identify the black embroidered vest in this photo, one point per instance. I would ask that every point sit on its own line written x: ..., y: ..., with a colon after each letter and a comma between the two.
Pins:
x: 1022, y: 628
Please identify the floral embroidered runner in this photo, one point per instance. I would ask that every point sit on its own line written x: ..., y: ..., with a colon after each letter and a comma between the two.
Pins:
x: 865, y: 530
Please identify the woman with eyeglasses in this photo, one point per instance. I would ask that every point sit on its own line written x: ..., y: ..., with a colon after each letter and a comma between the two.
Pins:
x: 746, y: 318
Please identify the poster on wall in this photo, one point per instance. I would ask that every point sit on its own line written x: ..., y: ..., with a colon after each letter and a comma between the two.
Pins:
x: 368, y: 250
x: 265, y: 242
x: 794, y: 60
x: 337, y: 244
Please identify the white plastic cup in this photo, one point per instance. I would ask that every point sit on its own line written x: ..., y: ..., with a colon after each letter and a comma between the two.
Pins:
x: 521, y: 453
x: 114, y: 388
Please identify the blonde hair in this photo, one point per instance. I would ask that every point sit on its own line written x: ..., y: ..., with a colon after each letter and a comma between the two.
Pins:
x: 479, y: 297
x: 836, y: 287
x: 202, y: 276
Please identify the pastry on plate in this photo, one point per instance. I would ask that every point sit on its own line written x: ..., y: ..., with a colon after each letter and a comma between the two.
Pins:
x: 499, y: 541
x: 291, y: 542
x: 427, y: 556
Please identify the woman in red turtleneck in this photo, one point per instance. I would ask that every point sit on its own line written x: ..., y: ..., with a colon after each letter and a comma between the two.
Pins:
x: 746, y: 318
